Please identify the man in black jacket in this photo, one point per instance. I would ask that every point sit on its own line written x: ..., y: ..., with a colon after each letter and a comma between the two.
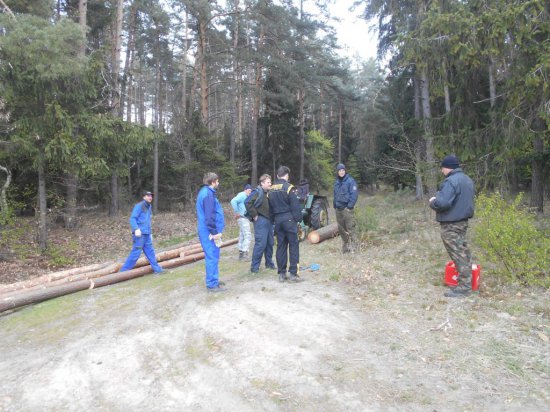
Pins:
x: 454, y: 205
x: 257, y: 207
x: 286, y: 212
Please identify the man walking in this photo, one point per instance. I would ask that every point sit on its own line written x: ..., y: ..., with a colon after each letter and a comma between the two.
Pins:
x: 257, y: 207
x: 142, y: 235
x: 237, y: 203
x: 345, y: 197
x: 287, y: 213
x: 454, y: 205
x: 210, y: 225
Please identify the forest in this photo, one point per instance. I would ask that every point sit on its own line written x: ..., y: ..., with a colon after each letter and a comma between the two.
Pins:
x: 102, y: 99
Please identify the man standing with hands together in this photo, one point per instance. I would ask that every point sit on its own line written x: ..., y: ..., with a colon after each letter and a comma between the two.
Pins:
x: 210, y: 225
x: 454, y: 205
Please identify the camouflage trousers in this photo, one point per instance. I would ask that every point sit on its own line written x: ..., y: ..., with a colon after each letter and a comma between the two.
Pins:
x: 346, y: 228
x: 453, y: 235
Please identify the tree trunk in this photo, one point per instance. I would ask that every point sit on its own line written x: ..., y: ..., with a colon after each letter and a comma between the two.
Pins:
x: 492, y: 85
x: 69, y: 216
x: 3, y: 196
x: 42, y: 204
x: 82, y: 16
x: 71, y: 178
x: 141, y: 95
x: 116, y: 44
x: 193, y: 90
x: 113, y: 205
x: 236, y: 136
x: 419, y: 188
x: 201, y: 49
x: 184, y: 68
x: 537, y: 165
x: 340, y: 133
x: 446, y: 87
x: 155, y: 175
x: 256, y: 112
x: 126, y: 76
x: 428, y: 134
x: 301, y: 120
x: 322, y: 109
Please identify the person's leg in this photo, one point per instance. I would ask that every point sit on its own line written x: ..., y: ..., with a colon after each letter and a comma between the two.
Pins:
x: 351, y: 229
x: 282, y: 245
x: 150, y: 253
x: 342, y: 229
x: 241, y: 238
x: 245, y: 229
x: 134, y: 255
x: 453, y: 236
x: 269, y: 247
x: 211, y: 257
x: 260, y: 240
x: 293, y: 247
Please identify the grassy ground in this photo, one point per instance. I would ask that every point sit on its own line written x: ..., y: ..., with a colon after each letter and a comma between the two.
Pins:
x: 368, y: 331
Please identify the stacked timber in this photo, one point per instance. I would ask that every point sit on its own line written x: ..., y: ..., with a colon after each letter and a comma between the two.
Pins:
x: 92, y: 276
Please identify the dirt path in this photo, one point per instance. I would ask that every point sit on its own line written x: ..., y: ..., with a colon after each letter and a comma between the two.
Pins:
x: 357, y: 335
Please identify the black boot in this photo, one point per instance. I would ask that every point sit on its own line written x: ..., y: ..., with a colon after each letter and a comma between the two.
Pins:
x: 241, y: 255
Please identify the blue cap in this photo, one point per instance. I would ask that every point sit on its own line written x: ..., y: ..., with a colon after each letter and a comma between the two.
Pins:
x: 450, y: 162
x: 340, y: 166
x: 247, y: 186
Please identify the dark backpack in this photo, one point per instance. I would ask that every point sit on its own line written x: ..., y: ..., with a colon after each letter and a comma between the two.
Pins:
x: 257, y: 202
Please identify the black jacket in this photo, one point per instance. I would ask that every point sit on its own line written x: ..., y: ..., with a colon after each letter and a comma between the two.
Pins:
x: 261, y: 209
x: 283, y: 201
x: 455, y: 200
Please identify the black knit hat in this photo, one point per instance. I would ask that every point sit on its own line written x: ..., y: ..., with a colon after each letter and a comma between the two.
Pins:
x: 450, y: 162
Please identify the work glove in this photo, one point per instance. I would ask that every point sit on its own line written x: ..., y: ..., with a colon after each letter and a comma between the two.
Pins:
x: 431, y: 199
x: 137, y: 232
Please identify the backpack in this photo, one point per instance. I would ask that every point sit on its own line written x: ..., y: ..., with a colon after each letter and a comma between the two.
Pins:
x: 257, y: 202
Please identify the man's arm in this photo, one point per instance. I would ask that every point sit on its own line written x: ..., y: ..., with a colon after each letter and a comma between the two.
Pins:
x: 136, y: 211
x: 209, y: 206
x: 353, y: 194
x: 445, y: 198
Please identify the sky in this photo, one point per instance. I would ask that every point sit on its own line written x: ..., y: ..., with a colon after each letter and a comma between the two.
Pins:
x: 353, y: 32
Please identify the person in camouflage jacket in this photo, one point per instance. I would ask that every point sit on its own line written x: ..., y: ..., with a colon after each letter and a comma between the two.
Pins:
x: 454, y: 205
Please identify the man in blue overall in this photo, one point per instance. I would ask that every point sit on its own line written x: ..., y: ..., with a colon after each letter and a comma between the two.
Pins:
x: 142, y: 235
x: 287, y: 213
x: 210, y: 225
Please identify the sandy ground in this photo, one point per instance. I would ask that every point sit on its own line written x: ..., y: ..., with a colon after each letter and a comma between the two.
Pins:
x: 366, y: 332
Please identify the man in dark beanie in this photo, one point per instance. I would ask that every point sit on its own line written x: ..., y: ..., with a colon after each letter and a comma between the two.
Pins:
x: 454, y: 205
x: 345, y: 197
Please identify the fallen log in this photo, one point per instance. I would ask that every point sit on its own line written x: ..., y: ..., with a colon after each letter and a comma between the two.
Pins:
x: 190, y: 256
x: 94, y: 270
x: 50, y: 277
x: 323, y: 233
x: 40, y: 295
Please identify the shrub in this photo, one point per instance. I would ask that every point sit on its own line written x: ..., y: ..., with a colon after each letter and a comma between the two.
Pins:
x: 366, y: 221
x: 509, y: 238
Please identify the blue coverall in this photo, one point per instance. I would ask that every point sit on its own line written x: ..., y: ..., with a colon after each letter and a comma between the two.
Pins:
x: 210, y: 221
x: 141, y: 219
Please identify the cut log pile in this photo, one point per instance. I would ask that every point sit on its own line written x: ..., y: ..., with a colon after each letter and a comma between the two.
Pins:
x: 92, y: 276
